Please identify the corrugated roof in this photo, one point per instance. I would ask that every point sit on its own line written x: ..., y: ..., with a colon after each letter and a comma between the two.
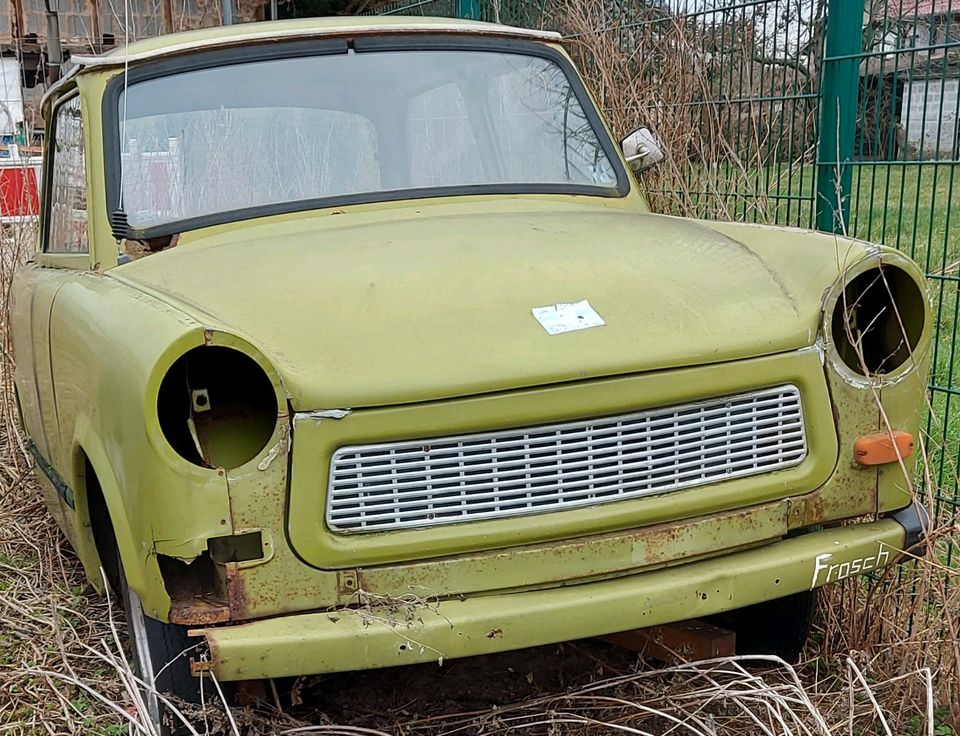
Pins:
x: 911, y: 8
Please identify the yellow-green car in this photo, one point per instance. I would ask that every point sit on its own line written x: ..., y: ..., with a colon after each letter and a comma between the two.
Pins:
x: 352, y: 343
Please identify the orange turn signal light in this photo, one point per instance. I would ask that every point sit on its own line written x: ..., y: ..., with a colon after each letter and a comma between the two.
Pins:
x: 882, y: 447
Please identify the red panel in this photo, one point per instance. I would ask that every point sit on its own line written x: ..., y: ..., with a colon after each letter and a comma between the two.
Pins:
x: 18, y: 191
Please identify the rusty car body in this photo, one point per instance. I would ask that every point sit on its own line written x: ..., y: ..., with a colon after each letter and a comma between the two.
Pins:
x: 280, y: 423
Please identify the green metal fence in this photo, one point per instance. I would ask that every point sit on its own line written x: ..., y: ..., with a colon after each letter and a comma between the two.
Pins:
x: 835, y: 114
x: 902, y: 158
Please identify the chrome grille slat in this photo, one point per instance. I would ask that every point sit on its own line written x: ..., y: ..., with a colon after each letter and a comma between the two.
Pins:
x: 690, y: 437
x: 492, y: 478
x: 446, y: 480
x: 530, y: 435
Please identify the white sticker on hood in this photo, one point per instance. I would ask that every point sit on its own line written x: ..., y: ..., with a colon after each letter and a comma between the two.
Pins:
x: 567, y: 317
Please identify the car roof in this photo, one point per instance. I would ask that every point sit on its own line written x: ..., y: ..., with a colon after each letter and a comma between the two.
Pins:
x: 173, y: 44
x: 243, y: 33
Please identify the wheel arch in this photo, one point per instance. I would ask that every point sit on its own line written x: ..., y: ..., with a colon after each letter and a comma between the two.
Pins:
x: 104, y: 525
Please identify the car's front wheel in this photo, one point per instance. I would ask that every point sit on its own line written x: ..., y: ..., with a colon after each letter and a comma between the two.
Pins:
x: 161, y: 658
x: 160, y: 651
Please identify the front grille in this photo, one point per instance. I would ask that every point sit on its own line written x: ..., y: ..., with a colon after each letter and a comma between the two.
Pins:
x: 515, y: 472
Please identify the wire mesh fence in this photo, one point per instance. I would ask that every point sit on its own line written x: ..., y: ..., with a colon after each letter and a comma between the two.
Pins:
x: 728, y: 88
x: 903, y: 179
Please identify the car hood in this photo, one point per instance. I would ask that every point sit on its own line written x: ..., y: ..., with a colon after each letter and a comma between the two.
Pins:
x: 387, y: 306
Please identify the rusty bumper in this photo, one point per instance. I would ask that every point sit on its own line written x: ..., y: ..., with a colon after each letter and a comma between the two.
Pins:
x: 388, y: 632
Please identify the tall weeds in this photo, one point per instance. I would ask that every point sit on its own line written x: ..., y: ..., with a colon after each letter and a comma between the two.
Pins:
x: 734, y: 124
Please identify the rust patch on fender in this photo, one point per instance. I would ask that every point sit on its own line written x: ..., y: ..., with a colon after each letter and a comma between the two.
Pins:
x: 198, y: 612
x: 236, y: 592
x: 195, y: 596
x: 255, y: 592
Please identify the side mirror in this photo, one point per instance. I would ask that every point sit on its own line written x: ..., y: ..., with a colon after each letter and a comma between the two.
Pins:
x: 642, y: 150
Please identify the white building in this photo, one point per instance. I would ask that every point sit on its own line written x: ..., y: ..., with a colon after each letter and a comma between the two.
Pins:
x: 928, y: 67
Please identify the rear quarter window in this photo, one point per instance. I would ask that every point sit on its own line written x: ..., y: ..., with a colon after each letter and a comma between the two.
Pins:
x: 67, y: 228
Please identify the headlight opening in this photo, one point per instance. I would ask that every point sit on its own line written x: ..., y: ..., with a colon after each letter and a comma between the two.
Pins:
x: 217, y: 407
x: 878, y: 320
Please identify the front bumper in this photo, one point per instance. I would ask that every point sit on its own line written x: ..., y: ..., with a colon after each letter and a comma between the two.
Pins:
x: 396, y: 633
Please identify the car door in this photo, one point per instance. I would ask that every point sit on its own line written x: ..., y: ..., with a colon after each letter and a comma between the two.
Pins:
x: 62, y: 255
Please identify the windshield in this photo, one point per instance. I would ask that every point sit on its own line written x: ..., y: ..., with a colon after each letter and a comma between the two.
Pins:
x: 270, y: 132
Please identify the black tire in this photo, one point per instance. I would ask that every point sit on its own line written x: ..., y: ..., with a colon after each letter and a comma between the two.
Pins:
x: 160, y: 655
x: 159, y: 652
x: 779, y: 627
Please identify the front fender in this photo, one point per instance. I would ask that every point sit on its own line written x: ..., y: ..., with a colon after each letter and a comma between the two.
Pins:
x: 139, y: 563
x: 108, y: 341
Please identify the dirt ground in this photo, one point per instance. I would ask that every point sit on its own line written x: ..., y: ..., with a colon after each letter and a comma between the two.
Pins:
x: 387, y: 698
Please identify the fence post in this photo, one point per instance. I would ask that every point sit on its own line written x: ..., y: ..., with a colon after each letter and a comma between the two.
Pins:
x: 469, y: 9
x: 839, y: 103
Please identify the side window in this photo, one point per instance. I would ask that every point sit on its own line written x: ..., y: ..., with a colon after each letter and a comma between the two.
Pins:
x: 67, y: 229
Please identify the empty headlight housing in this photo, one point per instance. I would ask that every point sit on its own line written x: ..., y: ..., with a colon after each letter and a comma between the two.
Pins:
x: 878, y: 319
x: 217, y: 407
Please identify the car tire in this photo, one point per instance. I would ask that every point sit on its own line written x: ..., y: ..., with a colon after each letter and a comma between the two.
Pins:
x: 159, y: 652
x: 777, y: 627
x: 160, y: 656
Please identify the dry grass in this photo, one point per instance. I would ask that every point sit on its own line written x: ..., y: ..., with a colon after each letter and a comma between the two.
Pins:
x: 724, y: 162
x: 51, y: 628
x: 736, y: 129
x: 726, y: 146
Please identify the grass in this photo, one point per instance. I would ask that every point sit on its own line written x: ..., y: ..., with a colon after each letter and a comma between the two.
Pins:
x: 655, y: 76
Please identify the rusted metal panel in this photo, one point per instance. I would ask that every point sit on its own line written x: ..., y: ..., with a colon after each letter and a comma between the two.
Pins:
x: 196, y: 593
x: 387, y: 633
x: 582, y: 558
x: 683, y: 641
x: 236, y: 592
x: 198, y: 612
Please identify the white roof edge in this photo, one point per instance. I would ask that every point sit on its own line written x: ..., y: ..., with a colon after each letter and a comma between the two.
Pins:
x: 120, y: 59
x: 52, y: 89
